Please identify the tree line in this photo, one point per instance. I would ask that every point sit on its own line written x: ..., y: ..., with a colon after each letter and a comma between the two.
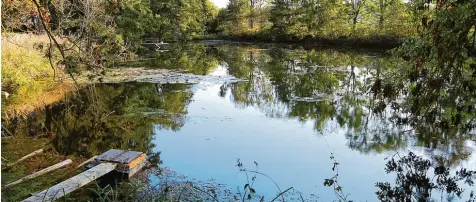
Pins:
x: 303, y: 19
x: 168, y: 20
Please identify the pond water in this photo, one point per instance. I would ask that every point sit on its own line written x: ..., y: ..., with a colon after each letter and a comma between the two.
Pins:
x: 292, y: 111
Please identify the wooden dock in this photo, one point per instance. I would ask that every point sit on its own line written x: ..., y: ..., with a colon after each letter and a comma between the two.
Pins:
x: 127, y: 162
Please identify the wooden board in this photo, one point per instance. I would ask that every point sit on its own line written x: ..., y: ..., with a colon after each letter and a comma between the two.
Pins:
x: 70, y: 185
x: 118, y: 156
x: 137, y: 168
x: 25, y: 157
x: 137, y: 161
x: 109, y: 155
x: 127, y: 157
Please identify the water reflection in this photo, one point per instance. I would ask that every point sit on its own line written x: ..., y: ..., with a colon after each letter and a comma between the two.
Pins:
x: 329, y: 93
x: 193, y: 58
x: 104, y: 116
x: 328, y: 85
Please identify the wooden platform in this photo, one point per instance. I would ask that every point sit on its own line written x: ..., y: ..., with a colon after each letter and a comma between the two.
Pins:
x: 127, y: 162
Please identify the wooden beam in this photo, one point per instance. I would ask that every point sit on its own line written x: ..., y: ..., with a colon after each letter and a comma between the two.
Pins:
x: 70, y: 185
x: 41, y: 172
x: 23, y: 158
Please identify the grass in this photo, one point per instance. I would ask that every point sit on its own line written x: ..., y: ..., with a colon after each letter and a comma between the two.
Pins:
x: 27, y: 75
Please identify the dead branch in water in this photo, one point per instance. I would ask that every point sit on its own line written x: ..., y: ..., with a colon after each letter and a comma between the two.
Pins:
x: 41, y: 172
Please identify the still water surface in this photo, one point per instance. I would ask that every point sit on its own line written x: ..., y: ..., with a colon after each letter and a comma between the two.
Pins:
x: 294, y: 109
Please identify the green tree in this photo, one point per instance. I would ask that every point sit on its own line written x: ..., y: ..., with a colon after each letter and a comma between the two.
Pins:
x: 286, y: 18
x: 236, y: 17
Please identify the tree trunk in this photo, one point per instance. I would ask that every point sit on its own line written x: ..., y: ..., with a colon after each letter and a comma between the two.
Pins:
x: 381, y: 18
x: 252, y: 14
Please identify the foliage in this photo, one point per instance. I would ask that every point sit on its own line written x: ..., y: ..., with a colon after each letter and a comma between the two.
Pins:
x: 26, y: 72
x: 435, y: 91
x: 96, y: 33
x: 182, y: 20
x: 16, y: 15
x: 135, y: 21
x: 414, y: 183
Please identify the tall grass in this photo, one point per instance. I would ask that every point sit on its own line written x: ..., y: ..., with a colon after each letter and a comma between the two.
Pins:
x: 23, y: 61
x: 27, y: 75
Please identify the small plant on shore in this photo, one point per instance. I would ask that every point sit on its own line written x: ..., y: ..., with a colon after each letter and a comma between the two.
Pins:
x: 334, y: 181
x: 250, y: 193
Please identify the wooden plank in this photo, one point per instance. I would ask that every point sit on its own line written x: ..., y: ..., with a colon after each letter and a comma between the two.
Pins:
x: 137, y: 161
x: 137, y: 168
x: 41, y: 172
x: 87, y: 161
x: 110, y: 155
x: 127, y: 157
x: 70, y: 185
x: 118, y: 156
x: 25, y: 157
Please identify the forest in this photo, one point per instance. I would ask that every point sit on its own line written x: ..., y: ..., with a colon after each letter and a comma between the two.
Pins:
x: 390, y: 76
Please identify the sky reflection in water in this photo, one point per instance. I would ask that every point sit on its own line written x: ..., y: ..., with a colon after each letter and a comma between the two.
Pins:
x: 218, y: 130
x: 295, y: 108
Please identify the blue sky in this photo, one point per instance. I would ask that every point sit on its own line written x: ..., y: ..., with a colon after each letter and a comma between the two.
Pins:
x: 220, y: 3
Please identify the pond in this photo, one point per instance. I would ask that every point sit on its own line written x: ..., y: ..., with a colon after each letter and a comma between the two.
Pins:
x: 291, y: 110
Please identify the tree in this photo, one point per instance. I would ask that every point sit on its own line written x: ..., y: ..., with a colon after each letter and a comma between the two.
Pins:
x: 236, y: 22
x: 286, y: 19
x: 17, y: 15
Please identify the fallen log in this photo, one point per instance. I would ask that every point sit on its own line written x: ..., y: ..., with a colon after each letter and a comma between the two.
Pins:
x: 41, y: 172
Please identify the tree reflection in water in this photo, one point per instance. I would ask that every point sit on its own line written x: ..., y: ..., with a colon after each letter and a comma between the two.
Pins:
x: 335, y: 87
x: 345, y: 89
x: 331, y: 86
x: 104, y: 116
